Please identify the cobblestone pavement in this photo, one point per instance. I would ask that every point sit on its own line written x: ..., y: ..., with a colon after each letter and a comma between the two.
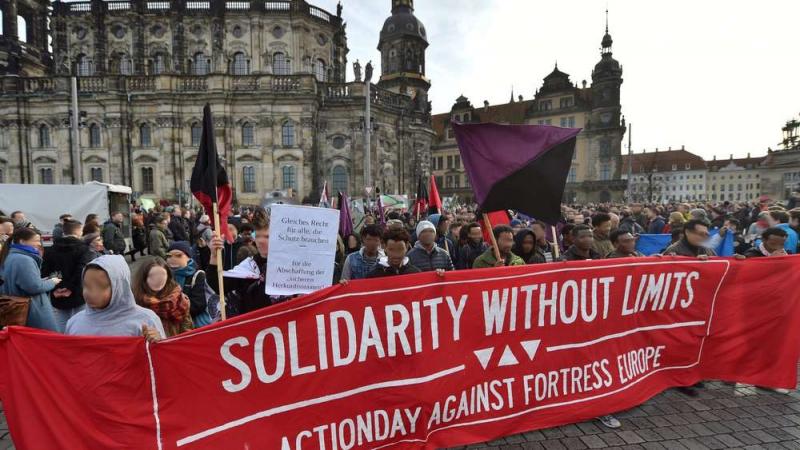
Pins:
x: 723, y: 416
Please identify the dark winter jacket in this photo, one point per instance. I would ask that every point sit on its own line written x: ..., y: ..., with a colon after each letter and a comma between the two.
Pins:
x: 68, y: 255
x: 113, y: 239
x: 427, y: 261
x: 469, y: 253
x: 572, y: 255
x: 683, y: 248
x: 179, y: 229
x: 384, y: 270
x: 656, y: 226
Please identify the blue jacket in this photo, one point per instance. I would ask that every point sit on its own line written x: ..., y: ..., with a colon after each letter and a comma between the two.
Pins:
x: 791, y: 241
x: 21, y: 275
x: 357, y: 268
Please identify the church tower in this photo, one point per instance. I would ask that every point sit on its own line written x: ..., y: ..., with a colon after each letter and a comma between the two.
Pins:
x: 23, y: 44
x: 402, y: 44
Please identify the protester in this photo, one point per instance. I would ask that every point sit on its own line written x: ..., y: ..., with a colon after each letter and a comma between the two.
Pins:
x: 191, y: 281
x: 602, y: 228
x: 138, y: 237
x: 58, y: 229
x: 442, y: 224
x: 6, y: 230
x: 20, y: 272
x: 624, y: 245
x: 676, y: 221
x: 566, y: 236
x: 360, y: 264
x: 773, y: 241
x: 395, y: 243
x: 248, y: 286
x: 426, y: 255
x: 525, y: 246
x: 158, y: 238
x: 352, y: 244
x: 156, y: 289
x: 113, y: 238
x: 245, y: 246
x: 474, y: 247
x: 629, y: 223
x: 67, y: 256
x: 504, y: 235
x: 178, y: 226
x: 544, y: 249
x: 110, y: 306
x: 781, y: 219
x: 692, y: 242
x: 94, y: 242
x: 582, y: 248
x: 19, y: 219
x: 655, y: 223
x: 91, y: 225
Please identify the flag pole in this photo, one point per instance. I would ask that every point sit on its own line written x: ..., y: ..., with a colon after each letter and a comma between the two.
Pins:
x: 556, y: 249
x: 491, y: 235
x: 220, y: 265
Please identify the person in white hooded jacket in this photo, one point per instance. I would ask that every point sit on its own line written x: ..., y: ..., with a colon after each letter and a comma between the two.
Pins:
x: 110, y: 306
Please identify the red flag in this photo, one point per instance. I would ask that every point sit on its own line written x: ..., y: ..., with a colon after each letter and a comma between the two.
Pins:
x: 434, y: 201
x: 496, y: 218
x: 209, y: 181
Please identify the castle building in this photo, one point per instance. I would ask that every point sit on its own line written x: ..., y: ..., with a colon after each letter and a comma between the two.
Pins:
x: 274, y: 72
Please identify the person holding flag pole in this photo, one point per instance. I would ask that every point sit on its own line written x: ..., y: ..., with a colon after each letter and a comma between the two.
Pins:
x: 210, y: 186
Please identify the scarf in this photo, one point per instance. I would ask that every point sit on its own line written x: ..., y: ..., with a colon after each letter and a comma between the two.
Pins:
x: 184, y: 273
x: 26, y: 249
x: 173, y: 307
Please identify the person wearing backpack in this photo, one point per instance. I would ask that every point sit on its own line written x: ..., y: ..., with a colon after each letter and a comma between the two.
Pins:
x: 191, y: 280
x: 156, y: 289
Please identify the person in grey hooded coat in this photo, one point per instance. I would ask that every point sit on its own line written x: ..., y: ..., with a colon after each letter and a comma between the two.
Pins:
x: 110, y: 306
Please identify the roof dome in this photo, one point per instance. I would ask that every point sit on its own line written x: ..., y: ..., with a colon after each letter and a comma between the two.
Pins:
x: 402, y: 23
x: 607, y: 41
x: 607, y: 63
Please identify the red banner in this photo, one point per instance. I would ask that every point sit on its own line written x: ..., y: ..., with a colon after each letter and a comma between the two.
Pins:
x: 414, y: 362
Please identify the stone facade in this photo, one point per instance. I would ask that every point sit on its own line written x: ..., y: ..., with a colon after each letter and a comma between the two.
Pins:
x: 595, y: 174
x: 274, y: 73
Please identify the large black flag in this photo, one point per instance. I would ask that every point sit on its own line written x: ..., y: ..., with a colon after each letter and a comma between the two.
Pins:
x: 209, y: 182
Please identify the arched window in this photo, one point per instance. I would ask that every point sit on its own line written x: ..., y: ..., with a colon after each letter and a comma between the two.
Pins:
x: 125, y: 65
x: 240, y: 64
x: 148, y: 184
x: 83, y: 66
x: 289, y: 178
x: 247, y: 134
x: 280, y: 65
x: 197, y: 131
x: 96, y: 174
x: 22, y: 29
x: 287, y: 134
x: 200, y: 64
x: 44, y: 136
x: 249, y: 179
x: 320, y: 71
x: 94, y: 135
x: 46, y: 175
x: 144, y: 135
x: 339, y: 176
x: 159, y: 64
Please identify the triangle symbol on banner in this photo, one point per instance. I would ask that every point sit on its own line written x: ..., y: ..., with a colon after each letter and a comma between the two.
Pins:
x: 531, y: 347
x: 483, y: 356
x: 508, y: 358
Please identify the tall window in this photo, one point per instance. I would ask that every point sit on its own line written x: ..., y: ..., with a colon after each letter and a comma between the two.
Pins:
x: 144, y: 135
x: 247, y: 134
x: 605, y: 171
x: 240, y: 65
x: 46, y: 175
x: 319, y: 70
x: 280, y: 66
x: 572, y: 177
x: 44, y: 136
x: 197, y: 131
x: 200, y: 63
x: 287, y: 134
x: 248, y: 179
x: 84, y: 66
x: 2, y: 176
x: 339, y: 176
x: 289, y: 178
x: 125, y: 65
x: 94, y: 135
x: 159, y: 64
x: 96, y: 174
x: 148, y: 184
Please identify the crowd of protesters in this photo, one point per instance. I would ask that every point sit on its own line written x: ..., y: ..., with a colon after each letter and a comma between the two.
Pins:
x: 82, y: 283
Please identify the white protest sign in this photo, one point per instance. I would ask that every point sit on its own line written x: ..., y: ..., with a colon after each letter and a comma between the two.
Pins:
x: 302, y: 248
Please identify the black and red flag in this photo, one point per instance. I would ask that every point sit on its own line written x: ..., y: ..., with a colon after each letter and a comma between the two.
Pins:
x: 421, y: 203
x: 209, y: 182
x: 434, y: 201
x: 519, y: 167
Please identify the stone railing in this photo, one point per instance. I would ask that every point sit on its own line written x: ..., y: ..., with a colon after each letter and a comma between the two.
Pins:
x: 145, y: 84
x: 191, y: 6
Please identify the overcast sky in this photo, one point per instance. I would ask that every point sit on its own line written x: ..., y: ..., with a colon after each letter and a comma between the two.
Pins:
x: 719, y: 77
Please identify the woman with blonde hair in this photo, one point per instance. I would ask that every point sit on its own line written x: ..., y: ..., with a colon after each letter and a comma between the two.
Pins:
x: 676, y: 221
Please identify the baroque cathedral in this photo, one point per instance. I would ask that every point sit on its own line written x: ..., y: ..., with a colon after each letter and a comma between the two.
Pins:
x: 274, y: 72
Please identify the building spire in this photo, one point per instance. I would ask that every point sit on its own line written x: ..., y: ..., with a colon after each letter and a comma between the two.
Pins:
x: 512, y: 94
x: 606, y: 18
